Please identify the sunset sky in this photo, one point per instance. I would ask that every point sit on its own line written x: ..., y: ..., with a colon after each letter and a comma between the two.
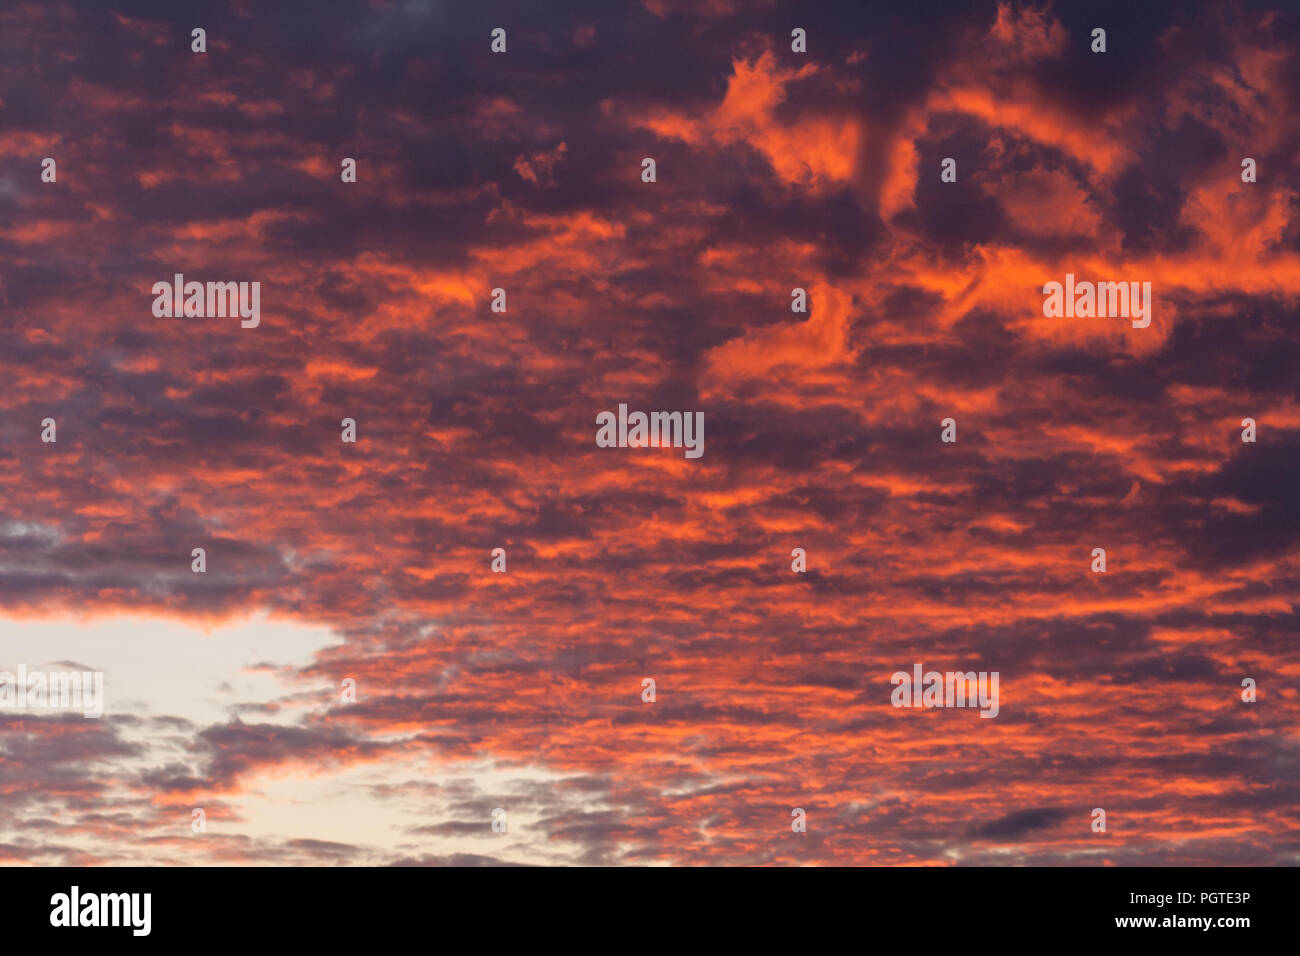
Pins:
x: 522, y: 690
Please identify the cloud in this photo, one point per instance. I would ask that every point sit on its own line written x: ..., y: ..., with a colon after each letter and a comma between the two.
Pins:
x: 476, y: 429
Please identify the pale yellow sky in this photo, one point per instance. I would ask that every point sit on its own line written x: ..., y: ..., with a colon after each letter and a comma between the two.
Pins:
x: 160, y: 667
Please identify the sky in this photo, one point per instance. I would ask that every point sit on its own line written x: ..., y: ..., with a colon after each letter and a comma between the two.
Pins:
x: 371, y: 561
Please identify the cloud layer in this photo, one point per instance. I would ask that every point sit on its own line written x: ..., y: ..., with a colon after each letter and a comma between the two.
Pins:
x: 775, y: 170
